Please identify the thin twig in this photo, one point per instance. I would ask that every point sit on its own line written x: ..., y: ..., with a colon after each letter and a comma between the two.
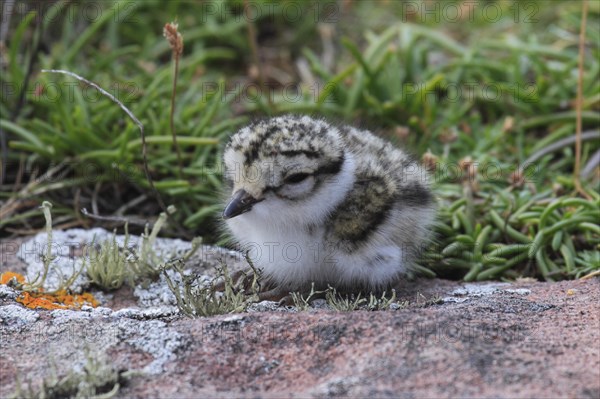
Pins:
x: 579, y: 107
x: 114, y: 219
x: 10, y: 206
x: 95, y: 197
x: 104, y: 92
x: 133, y: 118
x: 590, y: 275
x: 55, y: 226
x: 134, y: 202
x: 560, y: 144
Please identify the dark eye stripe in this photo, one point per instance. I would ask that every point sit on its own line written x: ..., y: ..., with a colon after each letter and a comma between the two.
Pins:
x: 293, y: 153
x: 332, y: 168
x: 296, y: 178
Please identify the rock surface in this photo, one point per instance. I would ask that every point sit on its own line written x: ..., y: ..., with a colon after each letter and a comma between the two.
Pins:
x: 450, y: 339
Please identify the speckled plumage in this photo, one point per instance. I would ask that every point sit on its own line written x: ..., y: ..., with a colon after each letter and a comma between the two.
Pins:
x: 314, y: 202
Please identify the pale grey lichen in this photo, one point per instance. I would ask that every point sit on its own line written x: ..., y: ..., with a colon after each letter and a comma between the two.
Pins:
x: 64, y: 263
x: 62, y: 316
x: 7, y: 292
x: 471, y: 290
x: 15, y: 317
x: 270, y: 306
x: 146, y: 314
x: 153, y: 337
x: 519, y: 291
x: 479, y: 290
x: 157, y: 293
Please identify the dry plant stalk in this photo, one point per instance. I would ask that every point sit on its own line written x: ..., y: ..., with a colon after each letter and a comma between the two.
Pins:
x: 139, y: 124
x: 133, y: 118
x: 171, y: 33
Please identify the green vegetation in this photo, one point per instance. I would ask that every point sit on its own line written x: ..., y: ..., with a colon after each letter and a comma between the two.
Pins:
x: 37, y: 285
x: 346, y: 302
x: 349, y: 303
x: 107, y: 266
x: 99, y: 379
x: 146, y: 265
x: 555, y: 227
x: 196, y: 298
x: 482, y: 96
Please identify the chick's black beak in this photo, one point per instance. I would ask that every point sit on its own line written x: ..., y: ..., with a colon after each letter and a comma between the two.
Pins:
x: 240, y: 202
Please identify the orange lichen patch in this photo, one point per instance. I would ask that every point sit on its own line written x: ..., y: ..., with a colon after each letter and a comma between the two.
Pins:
x: 6, y: 277
x: 43, y: 301
x: 39, y: 299
x: 58, y: 300
x: 77, y: 301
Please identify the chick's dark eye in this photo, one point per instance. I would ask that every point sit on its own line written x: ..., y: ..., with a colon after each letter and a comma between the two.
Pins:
x: 296, y: 178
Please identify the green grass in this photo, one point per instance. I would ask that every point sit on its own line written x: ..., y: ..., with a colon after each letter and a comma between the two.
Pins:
x: 496, y: 92
x: 99, y: 378
x: 196, y: 298
x: 341, y: 302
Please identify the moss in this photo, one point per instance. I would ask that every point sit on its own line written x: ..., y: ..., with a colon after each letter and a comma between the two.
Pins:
x: 107, y: 267
x: 347, y: 302
x: 302, y: 302
x: 98, y: 380
x: 219, y: 296
x: 146, y: 264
